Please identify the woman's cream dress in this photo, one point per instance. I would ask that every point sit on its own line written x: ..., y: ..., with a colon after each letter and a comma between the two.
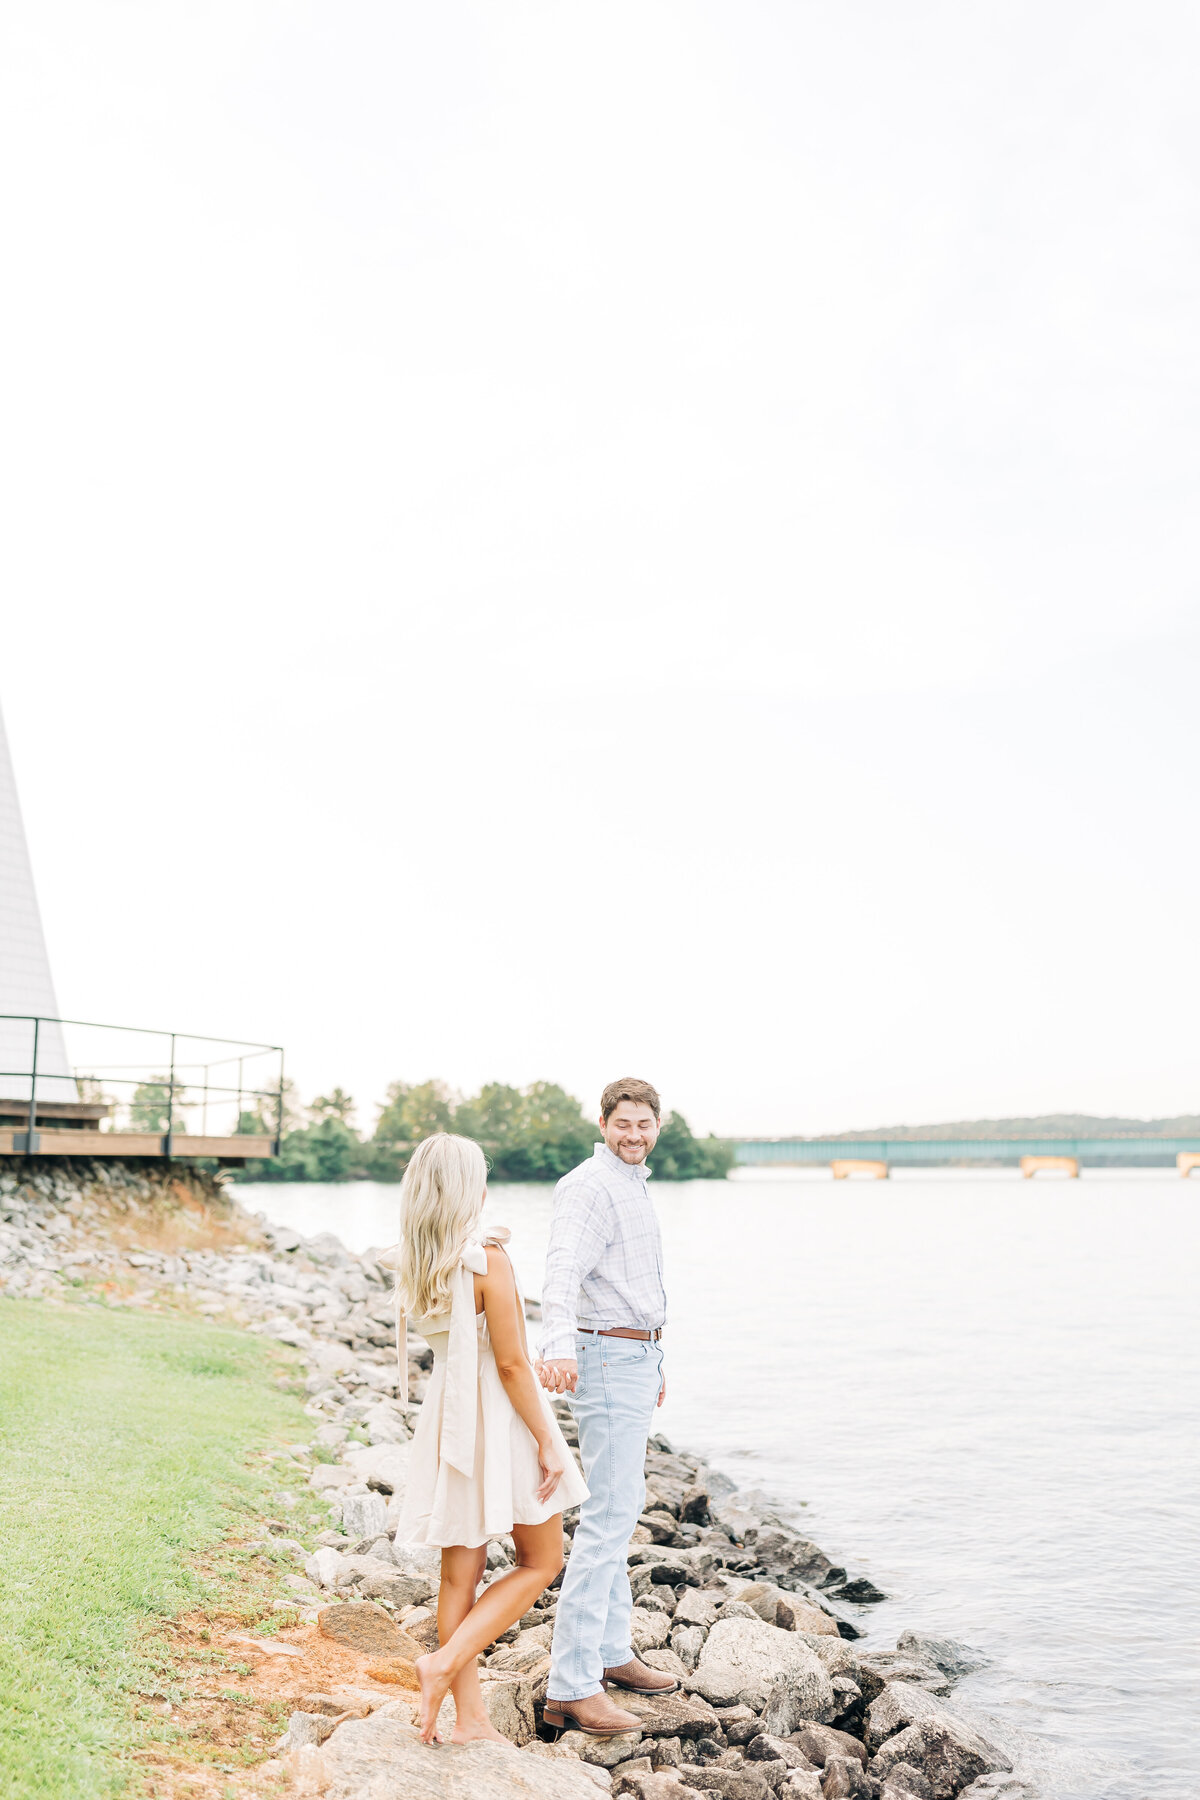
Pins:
x: 473, y: 1469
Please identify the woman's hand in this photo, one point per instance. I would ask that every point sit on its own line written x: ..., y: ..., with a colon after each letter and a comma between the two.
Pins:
x: 558, y: 1376
x: 550, y: 1457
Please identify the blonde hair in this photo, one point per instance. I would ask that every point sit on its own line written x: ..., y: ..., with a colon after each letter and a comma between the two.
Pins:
x: 441, y: 1198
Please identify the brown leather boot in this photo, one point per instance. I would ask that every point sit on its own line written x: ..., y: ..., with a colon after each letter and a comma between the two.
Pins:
x: 596, y: 1715
x: 639, y: 1678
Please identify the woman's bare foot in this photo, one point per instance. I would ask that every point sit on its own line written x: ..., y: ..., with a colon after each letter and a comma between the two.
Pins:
x: 434, y: 1677
x: 473, y: 1730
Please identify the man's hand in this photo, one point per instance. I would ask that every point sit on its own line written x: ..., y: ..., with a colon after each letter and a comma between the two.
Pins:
x: 662, y: 1392
x: 559, y: 1375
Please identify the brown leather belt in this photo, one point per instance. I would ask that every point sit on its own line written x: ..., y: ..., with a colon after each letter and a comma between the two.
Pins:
x: 650, y: 1337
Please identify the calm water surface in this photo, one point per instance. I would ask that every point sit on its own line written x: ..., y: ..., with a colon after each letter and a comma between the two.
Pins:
x: 981, y: 1391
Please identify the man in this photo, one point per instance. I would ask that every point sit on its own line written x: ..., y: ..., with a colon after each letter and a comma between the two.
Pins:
x: 603, y: 1310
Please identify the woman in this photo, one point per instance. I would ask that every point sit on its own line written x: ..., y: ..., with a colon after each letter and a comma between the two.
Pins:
x: 487, y: 1456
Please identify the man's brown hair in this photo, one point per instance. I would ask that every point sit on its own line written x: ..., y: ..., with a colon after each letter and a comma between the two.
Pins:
x: 629, y: 1088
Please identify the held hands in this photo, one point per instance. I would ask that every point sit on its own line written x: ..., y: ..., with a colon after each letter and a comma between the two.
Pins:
x: 559, y: 1375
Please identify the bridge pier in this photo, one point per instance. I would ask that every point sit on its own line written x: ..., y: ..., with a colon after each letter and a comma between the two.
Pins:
x: 1031, y: 1164
x: 1186, y: 1161
x: 844, y: 1167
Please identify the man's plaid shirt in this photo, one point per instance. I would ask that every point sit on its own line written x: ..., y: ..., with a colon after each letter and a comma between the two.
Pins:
x: 604, y: 1264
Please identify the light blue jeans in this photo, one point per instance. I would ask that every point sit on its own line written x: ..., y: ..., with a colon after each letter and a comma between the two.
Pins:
x: 613, y: 1404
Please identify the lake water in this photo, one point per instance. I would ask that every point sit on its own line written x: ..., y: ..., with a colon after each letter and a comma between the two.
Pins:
x: 980, y: 1391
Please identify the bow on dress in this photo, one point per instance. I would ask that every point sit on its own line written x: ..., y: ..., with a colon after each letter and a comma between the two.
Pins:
x: 460, y: 1402
x: 460, y: 1399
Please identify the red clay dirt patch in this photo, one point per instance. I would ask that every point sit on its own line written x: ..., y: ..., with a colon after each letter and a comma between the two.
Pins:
x: 235, y: 1703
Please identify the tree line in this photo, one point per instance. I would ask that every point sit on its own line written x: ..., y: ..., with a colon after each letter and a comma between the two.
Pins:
x: 534, y: 1133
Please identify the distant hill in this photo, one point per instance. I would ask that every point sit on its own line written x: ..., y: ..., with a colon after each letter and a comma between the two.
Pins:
x: 1046, y: 1125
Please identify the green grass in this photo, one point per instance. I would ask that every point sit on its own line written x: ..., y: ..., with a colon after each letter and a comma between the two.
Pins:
x: 127, y: 1445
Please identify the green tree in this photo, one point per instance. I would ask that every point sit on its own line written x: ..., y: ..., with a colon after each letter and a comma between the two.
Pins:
x: 325, y: 1151
x: 678, y: 1156
x: 535, y: 1133
x: 152, y: 1103
x: 409, y: 1114
x: 493, y: 1117
x: 293, y: 1108
x: 337, y: 1105
x: 329, y: 1148
x: 325, y: 1148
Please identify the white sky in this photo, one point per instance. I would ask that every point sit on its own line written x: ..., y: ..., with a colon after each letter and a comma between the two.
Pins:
x: 560, y: 541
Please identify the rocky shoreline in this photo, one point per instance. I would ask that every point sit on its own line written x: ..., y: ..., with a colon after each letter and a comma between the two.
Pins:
x: 774, y: 1699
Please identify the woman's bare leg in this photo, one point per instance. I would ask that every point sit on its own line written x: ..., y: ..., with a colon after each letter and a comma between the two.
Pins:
x: 462, y: 1571
x: 539, y: 1558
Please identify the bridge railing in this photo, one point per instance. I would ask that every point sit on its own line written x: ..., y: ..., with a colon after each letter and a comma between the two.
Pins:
x: 1140, y: 1151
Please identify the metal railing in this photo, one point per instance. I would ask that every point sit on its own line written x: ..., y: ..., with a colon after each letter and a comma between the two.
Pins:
x: 167, y: 1089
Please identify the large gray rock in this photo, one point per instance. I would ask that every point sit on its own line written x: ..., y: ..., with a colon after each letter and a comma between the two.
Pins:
x: 946, y: 1750
x: 796, y: 1698
x: 606, y: 1751
x: 397, y: 1589
x: 393, y: 1585
x: 799, y: 1785
x: 670, y: 1715
x: 600, y: 1778
x: 783, y: 1552
x: 765, y: 1748
x: 687, y: 1641
x: 418, y: 1559
x: 905, y: 1783
x: 847, y: 1696
x: 508, y: 1702
x: 649, y: 1784
x: 697, y: 1608
x: 364, y: 1516
x: 739, y: 1723
x: 737, y: 1511
x: 903, y: 1665
x: 839, y: 1658
x: 383, y: 1467
x: 666, y: 1662
x: 661, y: 1526
x: 999, y: 1787
x: 662, y: 1493
x: 843, y: 1778
x: 668, y: 1568
x: 363, y: 1627
x: 747, y: 1661
x: 327, y: 1477
x: 307, y: 1728
x: 648, y: 1629
x: 323, y: 1565
x: 385, y: 1424
x: 954, y: 1659
x: 899, y: 1704
x: 527, y: 1651
x: 383, y: 1758
x: 731, y: 1784
x: 819, y: 1742
x: 354, y: 1569
x: 790, y: 1611
x: 659, y: 1599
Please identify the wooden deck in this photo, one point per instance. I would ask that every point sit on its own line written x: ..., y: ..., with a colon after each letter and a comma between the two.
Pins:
x: 75, y: 1142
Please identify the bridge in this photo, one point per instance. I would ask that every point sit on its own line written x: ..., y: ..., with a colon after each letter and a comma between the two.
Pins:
x: 877, y: 1156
